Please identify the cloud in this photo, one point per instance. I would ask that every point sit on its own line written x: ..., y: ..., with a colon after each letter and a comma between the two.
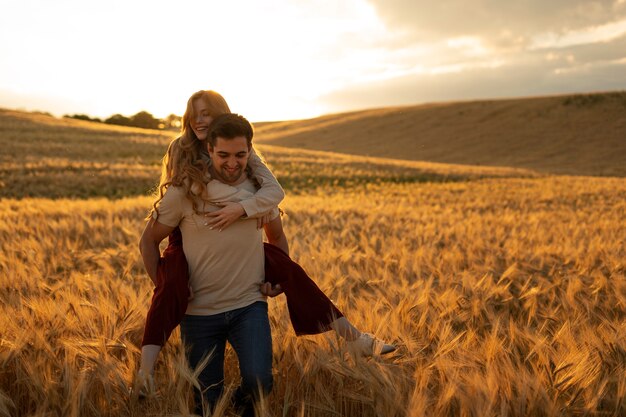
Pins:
x: 578, y: 68
x: 464, y: 49
x: 475, y: 85
x: 364, y: 53
x: 504, y: 24
x: 38, y: 102
x: 591, y: 53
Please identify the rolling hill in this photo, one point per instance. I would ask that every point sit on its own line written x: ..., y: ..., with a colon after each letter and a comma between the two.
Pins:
x: 574, y: 135
x: 43, y: 156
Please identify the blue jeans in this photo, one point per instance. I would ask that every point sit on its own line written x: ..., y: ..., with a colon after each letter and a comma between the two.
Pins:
x: 247, y: 329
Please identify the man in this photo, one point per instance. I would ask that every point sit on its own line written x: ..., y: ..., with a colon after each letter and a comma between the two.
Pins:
x: 226, y: 269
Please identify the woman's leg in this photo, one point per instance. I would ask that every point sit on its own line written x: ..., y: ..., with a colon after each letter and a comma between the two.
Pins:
x: 149, y: 355
x: 310, y: 310
x: 345, y: 329
x: 169, y: 302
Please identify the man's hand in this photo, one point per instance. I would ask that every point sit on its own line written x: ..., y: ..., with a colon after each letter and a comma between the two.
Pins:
x: 190, y: 293
x: 263, y: 220
x: 224, y: 217
x: 270, y: 291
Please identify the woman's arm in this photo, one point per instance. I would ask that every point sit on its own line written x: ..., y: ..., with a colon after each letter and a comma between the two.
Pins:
x: 262, y: 202
x: 269, y: 195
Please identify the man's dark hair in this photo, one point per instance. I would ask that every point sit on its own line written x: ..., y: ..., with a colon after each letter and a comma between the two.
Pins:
x: 230, y: 126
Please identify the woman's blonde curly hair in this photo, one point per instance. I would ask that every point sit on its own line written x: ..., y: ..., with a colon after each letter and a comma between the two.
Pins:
x: 183, y: 164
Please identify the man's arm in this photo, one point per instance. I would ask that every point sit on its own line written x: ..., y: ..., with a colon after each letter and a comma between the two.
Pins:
x: 151, y: 237
x: 276, y: 235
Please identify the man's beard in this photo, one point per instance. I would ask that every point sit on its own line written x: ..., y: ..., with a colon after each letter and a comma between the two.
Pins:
x: 231, y: 177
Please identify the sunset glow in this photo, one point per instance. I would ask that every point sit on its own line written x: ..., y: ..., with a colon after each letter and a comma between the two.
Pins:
x: 283, y: 59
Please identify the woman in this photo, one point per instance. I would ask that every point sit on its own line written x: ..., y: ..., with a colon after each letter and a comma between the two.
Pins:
x: 311, y: 312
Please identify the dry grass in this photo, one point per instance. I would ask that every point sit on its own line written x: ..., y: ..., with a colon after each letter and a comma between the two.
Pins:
x: 504, y: 290
x: 574, y: 135
x: 506, y: 297
x: 66, y: 158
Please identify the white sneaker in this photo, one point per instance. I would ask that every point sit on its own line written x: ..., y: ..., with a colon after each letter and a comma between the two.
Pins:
x: 144, y: 385
x: 368, y: 345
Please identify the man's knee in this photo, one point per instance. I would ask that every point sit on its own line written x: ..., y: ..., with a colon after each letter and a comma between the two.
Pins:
x: 258, y: 383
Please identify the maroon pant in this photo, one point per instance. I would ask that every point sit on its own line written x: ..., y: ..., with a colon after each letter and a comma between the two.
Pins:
x: 310, y: 310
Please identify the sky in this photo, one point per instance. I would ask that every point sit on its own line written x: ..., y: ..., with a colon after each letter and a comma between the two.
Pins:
x: 292, y: 59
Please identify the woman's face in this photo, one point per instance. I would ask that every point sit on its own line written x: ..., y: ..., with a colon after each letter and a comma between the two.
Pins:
x: 200, y: 123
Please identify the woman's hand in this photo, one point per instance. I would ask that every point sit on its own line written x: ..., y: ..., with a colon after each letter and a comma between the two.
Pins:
x: 225, y: 216
x: 270, y: 291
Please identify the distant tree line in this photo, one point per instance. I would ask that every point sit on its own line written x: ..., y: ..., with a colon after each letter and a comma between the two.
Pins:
x: 143, y: 119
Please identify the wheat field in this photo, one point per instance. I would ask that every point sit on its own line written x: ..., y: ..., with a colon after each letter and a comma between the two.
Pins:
x: 504, y: 290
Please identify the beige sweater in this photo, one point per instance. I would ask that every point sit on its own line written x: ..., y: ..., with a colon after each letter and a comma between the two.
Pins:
x: 225, y: 268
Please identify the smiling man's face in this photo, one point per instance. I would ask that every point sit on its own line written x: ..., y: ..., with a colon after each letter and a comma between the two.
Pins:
x: 230, y: 158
